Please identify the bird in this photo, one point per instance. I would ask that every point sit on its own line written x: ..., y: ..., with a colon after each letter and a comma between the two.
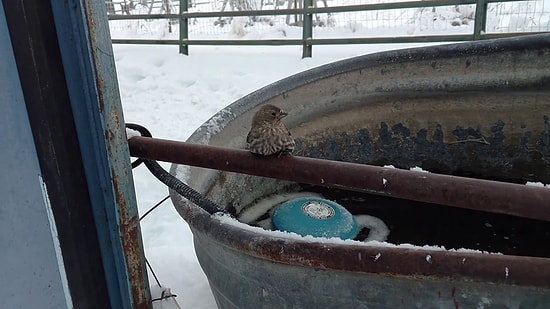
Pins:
x: 268, y: 135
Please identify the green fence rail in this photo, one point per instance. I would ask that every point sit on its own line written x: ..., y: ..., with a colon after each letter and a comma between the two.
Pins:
x: 307, y: 11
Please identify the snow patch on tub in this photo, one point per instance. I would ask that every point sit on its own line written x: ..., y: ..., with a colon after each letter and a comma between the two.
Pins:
x: 182, y: 172
x: 537, y: 184
x: 215, y: 124
x: 290, y: 236
x: 418, y: 169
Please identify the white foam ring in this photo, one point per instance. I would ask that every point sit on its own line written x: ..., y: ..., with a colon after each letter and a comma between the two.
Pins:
x: 379, y: 231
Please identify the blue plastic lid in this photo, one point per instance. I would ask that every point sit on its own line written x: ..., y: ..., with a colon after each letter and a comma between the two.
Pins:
x: 316, y: 217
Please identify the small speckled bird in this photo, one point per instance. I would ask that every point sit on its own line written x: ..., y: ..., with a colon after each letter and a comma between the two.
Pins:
x: 268, y: 135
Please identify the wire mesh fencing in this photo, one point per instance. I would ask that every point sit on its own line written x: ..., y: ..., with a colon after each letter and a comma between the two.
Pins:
x: 241, y: 20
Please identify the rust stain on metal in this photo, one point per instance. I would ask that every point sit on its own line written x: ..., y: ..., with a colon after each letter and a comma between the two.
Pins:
x: 109, y: 135
x: 110, y: 110
x: 129, y: 232
x: 100, y: 94
x: 93, y: 37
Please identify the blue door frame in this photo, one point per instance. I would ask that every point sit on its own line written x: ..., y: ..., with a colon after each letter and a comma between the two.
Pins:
x: 59, y: 76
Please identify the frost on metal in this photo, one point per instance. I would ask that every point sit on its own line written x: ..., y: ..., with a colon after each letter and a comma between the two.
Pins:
x: 214, y: 125
x: 181, y: 172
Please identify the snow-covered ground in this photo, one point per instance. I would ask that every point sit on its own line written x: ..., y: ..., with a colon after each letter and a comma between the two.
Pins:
x: 173, y: 94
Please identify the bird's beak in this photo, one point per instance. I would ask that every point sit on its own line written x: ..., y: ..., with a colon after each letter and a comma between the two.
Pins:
x: 283, y: 114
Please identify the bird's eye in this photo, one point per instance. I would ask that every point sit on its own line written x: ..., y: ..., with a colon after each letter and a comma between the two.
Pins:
x: 274, y: 114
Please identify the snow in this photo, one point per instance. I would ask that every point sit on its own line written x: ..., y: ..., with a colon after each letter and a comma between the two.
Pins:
x: 131, y: 133
x: 429, y: 259
x: 293, y: 237
x: 538, y: 184
x: 172, y: 95
x: 418, y: 169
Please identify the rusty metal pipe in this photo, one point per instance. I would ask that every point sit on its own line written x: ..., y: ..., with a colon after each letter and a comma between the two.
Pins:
x: 483, y: 195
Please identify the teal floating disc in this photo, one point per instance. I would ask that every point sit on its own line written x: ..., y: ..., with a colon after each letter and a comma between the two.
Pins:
x: 316, y: 217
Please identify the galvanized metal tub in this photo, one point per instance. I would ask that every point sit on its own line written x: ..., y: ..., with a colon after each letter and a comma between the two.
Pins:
x: 476, y: 109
